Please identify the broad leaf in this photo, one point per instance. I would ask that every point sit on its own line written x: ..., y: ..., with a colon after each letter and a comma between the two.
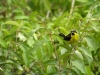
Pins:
x: 12, y: 23
x: 26, y: 54
x: 80, y: 65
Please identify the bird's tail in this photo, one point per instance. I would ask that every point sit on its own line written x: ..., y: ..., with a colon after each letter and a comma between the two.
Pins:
x: 61, y: 35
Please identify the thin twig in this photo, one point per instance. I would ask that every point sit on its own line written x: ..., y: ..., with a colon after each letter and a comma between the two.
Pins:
x: 48, y: 14
x: 72, y: 6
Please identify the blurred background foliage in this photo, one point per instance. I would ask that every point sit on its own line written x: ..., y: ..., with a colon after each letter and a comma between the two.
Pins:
x: 29, y: 41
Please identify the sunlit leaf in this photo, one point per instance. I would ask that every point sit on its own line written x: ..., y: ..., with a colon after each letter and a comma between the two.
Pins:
x: 21, y: 37
x: 65, y: 55
x: 12, y: 23
x: 30, y: 41
x: 96, y: 28
x: 88, y: 70
x: 78, y: 55
x: 21, y: 17
x: 63, y: 30
x: 9, y: 62
x: 82, y: 0
x: 50, y: 69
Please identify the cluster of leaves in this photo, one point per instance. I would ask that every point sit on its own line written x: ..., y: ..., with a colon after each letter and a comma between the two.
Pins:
x: 31, y: 45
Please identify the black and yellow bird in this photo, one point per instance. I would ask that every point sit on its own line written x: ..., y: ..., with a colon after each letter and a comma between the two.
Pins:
x: 71, y: 37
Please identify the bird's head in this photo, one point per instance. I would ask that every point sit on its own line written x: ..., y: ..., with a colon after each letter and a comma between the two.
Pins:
x: 73, y: 32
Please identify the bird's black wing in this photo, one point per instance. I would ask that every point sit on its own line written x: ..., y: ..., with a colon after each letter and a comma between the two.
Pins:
x: 61, y: 34
x: 68, y: 37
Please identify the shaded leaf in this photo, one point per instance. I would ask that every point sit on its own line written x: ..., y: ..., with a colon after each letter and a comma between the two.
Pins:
x: 50, y: 62
x: 77, y: 71
x: 39, y: 53
x: 47, y: 4
x: 26, y: 54
x: 3, y: 43
x: 49, y: 45
x: 80, y: 65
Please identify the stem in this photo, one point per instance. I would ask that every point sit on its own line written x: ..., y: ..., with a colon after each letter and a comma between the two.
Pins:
x: 72, y: 6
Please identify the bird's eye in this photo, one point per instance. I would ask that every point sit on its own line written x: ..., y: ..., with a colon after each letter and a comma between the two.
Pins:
x: 72, y: 33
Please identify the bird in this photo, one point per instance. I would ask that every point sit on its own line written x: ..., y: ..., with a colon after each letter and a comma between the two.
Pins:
x: 71, y: 37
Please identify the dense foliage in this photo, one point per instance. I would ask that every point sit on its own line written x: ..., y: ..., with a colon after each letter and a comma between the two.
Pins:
x: 29, y: 40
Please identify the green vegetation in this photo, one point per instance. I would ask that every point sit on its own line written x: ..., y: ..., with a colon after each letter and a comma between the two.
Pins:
x: 30, y: 43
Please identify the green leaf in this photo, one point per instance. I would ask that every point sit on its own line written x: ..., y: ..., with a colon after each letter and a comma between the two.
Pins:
x: 69, y: 71
x: 50, y: 62
x: 95, y: 27
x: 37, y: 29
x: 65, y: 55
x: 78, y: 55
x: 9, y: 62
x: 60, y: 18
x: 26, y: 54
x: 50, y: 48
x: 21, y: 37
x: 19, y: 67
x: 86, y: 51
x: 77, y: 71
x: 88, y: 60
x: 82, y: 0
x: 49, y: 45
x: 80, y: 65
x: 50, y: 69
x: 30, y: 41
x: 47, y: 4
x: 63, y: 30
x: 6, y: 32
x: 38, y: 44
x: 13, y: 30
x: 39, y: 53
x: 88, y: 70
x: 12, y: 23
x: 60, y: 40
x: 3, y: 43
x: 90, y: 42
x: 21, y: 17
x: 9, y: 2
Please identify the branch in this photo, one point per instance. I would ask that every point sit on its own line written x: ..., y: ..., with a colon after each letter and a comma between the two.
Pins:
x: 72, y: 6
